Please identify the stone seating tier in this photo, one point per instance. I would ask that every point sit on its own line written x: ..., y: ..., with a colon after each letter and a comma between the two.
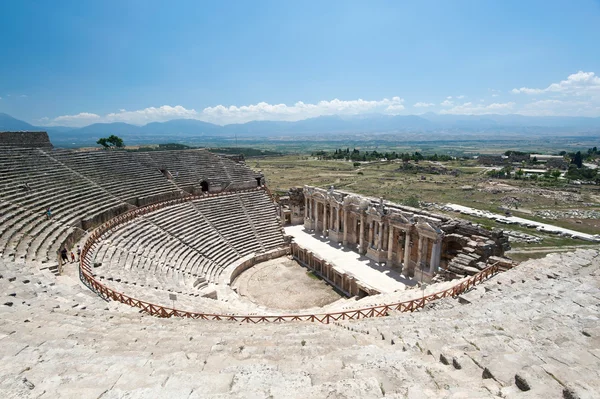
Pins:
x: 84, y: 188
x: 190, y: 168
x: 469, y: 347
x: 185, y: 247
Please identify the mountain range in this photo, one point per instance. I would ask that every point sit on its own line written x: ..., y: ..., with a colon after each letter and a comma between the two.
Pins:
x: 180, y: 129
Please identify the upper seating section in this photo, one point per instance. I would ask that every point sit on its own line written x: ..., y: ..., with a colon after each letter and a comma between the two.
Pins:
x: 190, y: 168
x: 120, y: 173
x: 25, y: 139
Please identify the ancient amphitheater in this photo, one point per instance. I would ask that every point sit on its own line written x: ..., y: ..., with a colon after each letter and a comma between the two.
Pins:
x: 153, y: 307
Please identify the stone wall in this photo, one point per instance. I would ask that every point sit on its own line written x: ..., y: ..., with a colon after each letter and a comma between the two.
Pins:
x: 25, y: 139
x: 247, y: 262
x: 404, y: 239
x: 344, y: 283
x: 291, y: 206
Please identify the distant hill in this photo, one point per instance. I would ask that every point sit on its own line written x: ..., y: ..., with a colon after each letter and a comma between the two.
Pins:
x: 10, y: 124
x: 182, y: 129
x: 182, y: 126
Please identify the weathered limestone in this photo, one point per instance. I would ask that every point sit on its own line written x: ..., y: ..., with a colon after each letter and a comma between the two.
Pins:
x: 531, y: 331
x: 403, y: 238
x: 185, y: 248
x: 25, y: 139
x: 86, y: 188
x: 56, y: 337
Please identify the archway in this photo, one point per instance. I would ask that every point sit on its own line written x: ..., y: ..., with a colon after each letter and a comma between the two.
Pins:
x: 204, y: 185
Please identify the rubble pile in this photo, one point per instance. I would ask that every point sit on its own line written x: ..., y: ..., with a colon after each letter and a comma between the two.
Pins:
x: 530, y: 192
x: 568, y: 214
x: 516, y: 236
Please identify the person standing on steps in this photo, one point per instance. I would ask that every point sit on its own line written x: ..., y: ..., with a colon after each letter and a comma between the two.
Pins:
x: 72, y: 257
x: 63, y: 255
x: 78, y: 253
x: 49, y: 213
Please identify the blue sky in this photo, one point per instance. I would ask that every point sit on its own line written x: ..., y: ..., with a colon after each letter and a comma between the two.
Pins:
x: 79, y: 62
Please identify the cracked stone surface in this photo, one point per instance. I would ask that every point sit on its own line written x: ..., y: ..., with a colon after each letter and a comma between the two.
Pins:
x: 537, y: 323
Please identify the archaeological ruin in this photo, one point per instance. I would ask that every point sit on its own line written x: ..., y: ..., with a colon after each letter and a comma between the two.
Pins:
x: 165, y: 243
x: 417, y: 244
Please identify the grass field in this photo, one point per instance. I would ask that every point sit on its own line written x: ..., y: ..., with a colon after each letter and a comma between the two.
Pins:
x: 459, y: 182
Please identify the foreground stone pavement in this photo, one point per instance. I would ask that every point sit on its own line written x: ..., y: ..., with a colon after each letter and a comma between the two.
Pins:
x: 530, y: 332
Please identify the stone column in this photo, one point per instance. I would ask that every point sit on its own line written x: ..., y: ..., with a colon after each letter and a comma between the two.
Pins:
x: 426, y: 245
x: 371, y: 228
x: 434, y: 263
x: 316, y: 210
x: 361, y: 238
x: 406, y: 249
x: 390, y: 247
x: 345, y: 242
x: 338, y: 212
x: 305, y: 207
x: 380, y: 236
x: 333, y: 218
x: 324, y: 218
x: 420, y: 251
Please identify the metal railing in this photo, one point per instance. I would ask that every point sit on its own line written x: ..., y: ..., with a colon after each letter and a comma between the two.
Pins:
x: 87, y: 276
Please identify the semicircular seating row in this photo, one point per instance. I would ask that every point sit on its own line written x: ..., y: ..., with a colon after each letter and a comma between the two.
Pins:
x: 84, y: 188
x: 184, y: 248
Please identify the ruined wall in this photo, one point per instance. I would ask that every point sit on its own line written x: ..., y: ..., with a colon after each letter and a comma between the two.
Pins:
x: 292, y: 206
x: 406, y: 239
x: 345, y: 283
x: 25, y: 139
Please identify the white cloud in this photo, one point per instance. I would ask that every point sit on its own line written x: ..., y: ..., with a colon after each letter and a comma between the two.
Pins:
x: 480, y: 109
x: 394, y: 109
x: 423, y: 105
x: 151, y: 114
x: 578, y: 95
x: 221, y: 114
x: 578, y: 84
x: 300, y: 110
x: 81, y: 119
x: 23, y: 96
x: 526, y: 91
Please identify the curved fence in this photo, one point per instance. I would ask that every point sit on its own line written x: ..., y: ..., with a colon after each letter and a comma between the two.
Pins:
x: 86, y: 275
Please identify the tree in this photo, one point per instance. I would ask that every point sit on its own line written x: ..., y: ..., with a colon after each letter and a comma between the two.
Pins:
x: 111, y: 141
x: 577, y: 159
x: 556, y: 174
x: 519, y: 173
